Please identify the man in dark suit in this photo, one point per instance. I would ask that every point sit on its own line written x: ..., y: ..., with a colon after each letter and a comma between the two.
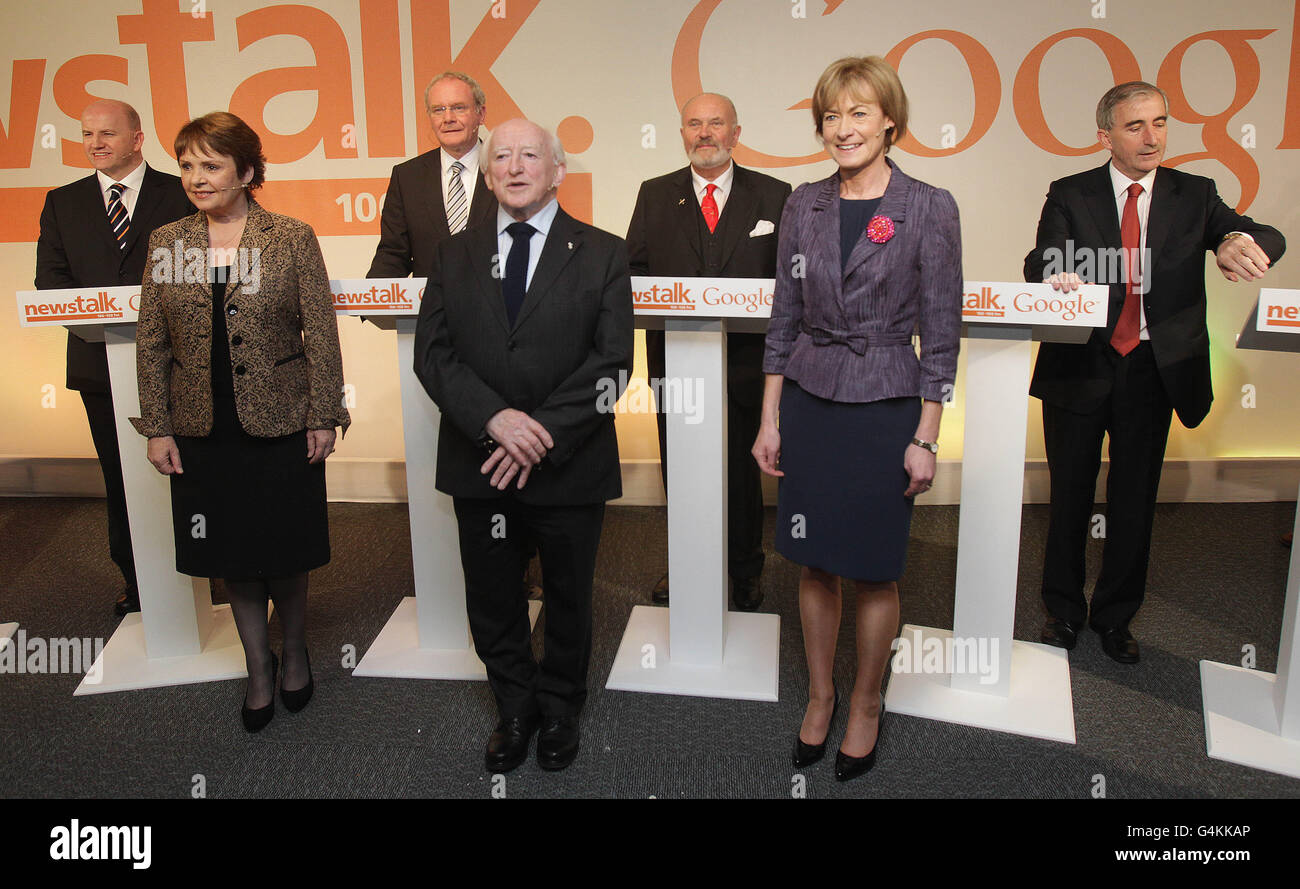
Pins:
x: 440, y: 192
x: 716, y: 219
x: 95, y: 233
x: 524, y: 329
x: 1152, y: 359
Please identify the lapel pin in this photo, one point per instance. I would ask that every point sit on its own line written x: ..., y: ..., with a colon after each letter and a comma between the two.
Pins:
x: 570, y: 245
x: 681, y: 201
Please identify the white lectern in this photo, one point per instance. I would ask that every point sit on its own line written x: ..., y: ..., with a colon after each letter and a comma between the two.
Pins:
x: 428, y: 635
x: 988, y: 679
x: 178, y: 636
x: 1252, y: 717
x: 696, y: 646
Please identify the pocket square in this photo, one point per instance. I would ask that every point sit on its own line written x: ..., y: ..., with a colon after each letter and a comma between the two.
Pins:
x: 764, y: 227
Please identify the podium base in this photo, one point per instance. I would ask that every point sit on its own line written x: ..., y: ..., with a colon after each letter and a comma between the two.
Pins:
x: 1241, y: 719
x: 751, y: 651
x: 1039, y: 704
x: 123, y: 665
x: 396, y: 651
x: 7, y: 630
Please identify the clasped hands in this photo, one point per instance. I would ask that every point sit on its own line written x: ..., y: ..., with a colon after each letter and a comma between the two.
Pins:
x: 522, y: 443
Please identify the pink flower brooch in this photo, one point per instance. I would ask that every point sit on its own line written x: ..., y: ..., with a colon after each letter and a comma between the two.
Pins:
x: 880, y: 229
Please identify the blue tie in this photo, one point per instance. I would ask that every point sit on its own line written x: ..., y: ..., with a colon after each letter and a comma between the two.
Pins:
x: 515, y: 282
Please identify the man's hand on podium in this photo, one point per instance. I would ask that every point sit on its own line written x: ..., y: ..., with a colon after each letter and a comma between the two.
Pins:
x: 1065, y: 283
x: 164, y: 455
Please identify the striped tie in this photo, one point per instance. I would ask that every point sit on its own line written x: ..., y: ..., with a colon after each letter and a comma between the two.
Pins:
x: 117, y: 218
x: 457, y: 202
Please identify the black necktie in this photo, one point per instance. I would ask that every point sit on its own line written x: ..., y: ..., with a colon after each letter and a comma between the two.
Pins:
x: 516, y: 280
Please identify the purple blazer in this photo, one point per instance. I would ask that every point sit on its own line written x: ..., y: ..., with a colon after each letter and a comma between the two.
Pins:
x: 847, y: 337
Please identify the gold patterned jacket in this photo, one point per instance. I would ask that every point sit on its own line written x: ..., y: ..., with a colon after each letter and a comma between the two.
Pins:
x: 281, y: 328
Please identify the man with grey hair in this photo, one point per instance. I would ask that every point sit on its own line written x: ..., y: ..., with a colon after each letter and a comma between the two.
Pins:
x: 1152, y: 359
x: 715, y: 219
x: 526, y: 320
x: 440, y: 192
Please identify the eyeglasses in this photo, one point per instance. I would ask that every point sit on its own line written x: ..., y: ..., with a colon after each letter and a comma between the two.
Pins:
x: 441, y: 110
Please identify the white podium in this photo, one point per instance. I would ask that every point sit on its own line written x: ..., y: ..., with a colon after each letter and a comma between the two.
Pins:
x: 696, y: 646
x: 428, y: 635
x: 990, y: 680
x: 1253, y: 717
x: 178, y: 636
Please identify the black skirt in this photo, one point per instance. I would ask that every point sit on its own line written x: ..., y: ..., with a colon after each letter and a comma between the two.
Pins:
x: 245, y: 507
x: 840, y: 505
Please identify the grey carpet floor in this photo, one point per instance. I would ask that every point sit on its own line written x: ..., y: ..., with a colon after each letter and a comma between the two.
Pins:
x: 1217, y: 584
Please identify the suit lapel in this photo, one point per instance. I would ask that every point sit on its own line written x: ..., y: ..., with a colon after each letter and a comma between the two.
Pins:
x: 563, y: 242
x: 429, y: 185
x: 736, y: 214
x: 253, y: 243
x: 684, y: 213
x: 483, y: 250
x: 194, y: 236
x: 1160, y: 216
x: 145, y: 204
x: 96, y: 214
x: 893, y: 206
x: 824, y: 237
x: 483, y: 207
x: 1100, y: 200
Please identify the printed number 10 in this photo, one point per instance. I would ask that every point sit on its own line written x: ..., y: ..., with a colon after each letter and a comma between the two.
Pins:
x: 363, y: 206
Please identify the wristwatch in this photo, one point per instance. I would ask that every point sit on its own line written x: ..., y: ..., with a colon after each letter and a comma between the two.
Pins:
x: 931, y: 446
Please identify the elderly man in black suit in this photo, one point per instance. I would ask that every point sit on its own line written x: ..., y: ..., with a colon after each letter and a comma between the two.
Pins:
x: 524, y: 329
x: 95, y: 233
x: 1151, y: 360
x: 716, y: 219
x: 439, y: 193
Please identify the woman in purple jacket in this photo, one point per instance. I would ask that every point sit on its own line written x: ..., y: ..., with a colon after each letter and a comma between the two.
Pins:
x: 866, y: 258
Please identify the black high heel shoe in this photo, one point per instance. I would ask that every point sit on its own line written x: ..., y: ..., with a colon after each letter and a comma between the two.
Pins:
x: 807, y: 754
x: 256, y: 720
x: 849, y: 767
x: 297, y: 699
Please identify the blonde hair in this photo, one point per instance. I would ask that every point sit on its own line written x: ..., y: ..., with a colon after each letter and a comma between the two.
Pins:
x: 848, y: 76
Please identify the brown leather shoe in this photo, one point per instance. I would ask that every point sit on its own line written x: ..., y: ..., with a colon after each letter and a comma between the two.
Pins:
x: 127, y: 602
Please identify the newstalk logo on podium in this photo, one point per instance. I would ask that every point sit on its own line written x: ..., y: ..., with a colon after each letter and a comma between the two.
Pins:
x: 706, y: 297
x: 377, y: 296
x: 991, y: 302
x: 55, y: 308
x: 1279, y: 310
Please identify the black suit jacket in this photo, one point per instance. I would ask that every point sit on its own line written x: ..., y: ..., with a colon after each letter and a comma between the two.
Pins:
x: 414, y: 220
x: 1186, y: 219
x: 570, y: 341
x: 76, y: 248
x: 663, y: 238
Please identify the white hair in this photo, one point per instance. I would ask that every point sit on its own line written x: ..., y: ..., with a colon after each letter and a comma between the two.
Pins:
x: 556, y: 146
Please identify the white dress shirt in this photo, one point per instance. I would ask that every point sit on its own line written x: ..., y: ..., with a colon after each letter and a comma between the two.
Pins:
x: 541, y: 220
x: 468, y: 176
x: 131, y: 183
x: 1120, y: 183
x: 721, y: 192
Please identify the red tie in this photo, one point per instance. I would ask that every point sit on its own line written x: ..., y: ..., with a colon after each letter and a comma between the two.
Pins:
x: 710, y: 207
x: 1125, y: 337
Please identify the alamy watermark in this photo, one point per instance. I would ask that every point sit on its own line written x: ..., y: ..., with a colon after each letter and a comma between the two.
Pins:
x: 35, y: 654
x: 189, y: 265
x: 949, y: 655
x: 673, y: 395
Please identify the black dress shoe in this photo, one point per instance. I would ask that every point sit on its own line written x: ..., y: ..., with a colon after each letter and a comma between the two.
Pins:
x: 849, y: 767
x: 557, y: 745
x: 127, y: 602
x: 1060, y: 632
x: 508, y: 745
x: 256, y: 720
x: 807, y: 754
x: 746, y: 594
x: 1119, y: 645
x: 659, y: 595
x: 295, y: 699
